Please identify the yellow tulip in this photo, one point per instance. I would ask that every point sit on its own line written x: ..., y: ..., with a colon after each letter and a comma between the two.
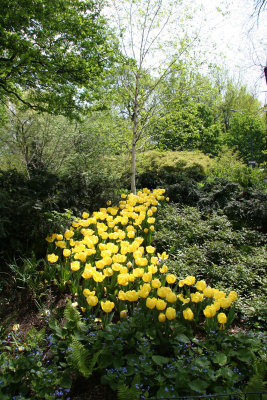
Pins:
x: 161, y: 304
x: 170, y: 278
x: 170, y: 313
x: 201, y: 285
x: 92, y: 300
x: 52, y: 258
x: 107, y: 306
x: 162, y: 317
x: 188, y: 314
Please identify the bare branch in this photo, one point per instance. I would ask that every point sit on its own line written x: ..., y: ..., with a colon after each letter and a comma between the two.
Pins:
x: 20, y: 98
x: 142, y: 36
x: 131, y: 30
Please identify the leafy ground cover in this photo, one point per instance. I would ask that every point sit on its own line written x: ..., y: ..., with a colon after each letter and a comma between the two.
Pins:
x: 135, y: 301
x: 209, y: 247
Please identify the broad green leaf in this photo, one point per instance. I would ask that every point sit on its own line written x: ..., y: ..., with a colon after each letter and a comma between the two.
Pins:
x: 198, y: 385
x: 160, y: 360
x: 220, y: 358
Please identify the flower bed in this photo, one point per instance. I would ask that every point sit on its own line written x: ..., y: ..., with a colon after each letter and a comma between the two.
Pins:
x: 112, y: 269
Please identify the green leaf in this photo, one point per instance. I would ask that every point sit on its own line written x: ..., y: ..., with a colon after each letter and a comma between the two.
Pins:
x: 66, y: 381
x: 220, y: 358
x: 182, y: 338
x: 164, y: 393
x: 244, y: 355
x: 198, y: 385
x: 160, y: 360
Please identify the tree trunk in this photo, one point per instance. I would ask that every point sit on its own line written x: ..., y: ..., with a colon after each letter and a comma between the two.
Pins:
x: 134, y: 138
x: 133, y: 184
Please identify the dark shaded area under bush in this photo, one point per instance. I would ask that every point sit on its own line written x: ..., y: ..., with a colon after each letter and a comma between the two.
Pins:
x: 245, y: 207
x: 26, y: 206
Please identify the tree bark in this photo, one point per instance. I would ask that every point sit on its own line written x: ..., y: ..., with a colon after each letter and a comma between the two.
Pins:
x: 133, y: 151
x: 134, y: 138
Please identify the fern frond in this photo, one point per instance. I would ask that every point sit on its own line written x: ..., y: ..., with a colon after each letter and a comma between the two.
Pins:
x: 127, y: 393
x: 71, y: 313
x: 81, y: 359
x: 94, y: 360
x: 81, y: 326
x: 256, y: 383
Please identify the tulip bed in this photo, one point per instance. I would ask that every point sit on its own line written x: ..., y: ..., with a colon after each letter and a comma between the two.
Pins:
x: 111, y: 267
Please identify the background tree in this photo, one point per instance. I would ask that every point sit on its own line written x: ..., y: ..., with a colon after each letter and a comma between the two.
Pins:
x: 191, y: 117
x: 31, y: 141
x: 235, y: 95
x: 57, y: 50
x: 146, y: 28
x: 247, y: 134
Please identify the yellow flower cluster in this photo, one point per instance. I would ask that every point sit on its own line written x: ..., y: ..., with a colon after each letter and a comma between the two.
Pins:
x: 109, y: 256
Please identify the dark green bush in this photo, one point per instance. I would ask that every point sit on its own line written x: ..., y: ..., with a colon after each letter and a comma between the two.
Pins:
x: 208, y: 247
x: 184, y: 192
x: 22, y: 210
x: 249, y: 209
x: 26, y: 206
x: 244, y: 207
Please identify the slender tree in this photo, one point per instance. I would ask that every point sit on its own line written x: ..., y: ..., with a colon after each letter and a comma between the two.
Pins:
x: 153, y: 35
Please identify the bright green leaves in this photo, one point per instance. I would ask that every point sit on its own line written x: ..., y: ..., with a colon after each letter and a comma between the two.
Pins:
x: 58, y: 49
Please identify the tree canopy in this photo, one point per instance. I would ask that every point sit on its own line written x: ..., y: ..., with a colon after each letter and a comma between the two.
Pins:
x: 56, y: 51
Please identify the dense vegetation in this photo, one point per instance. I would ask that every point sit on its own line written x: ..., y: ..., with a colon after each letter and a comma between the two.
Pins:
x: 202, y: 241
x: 105, y: 293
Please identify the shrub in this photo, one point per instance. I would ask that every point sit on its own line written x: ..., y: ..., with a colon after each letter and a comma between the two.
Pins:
x: 27, y: 206
x: 244, y: 207
x: 208, y: 247
x: 228, y: 166
x: 190, y: 164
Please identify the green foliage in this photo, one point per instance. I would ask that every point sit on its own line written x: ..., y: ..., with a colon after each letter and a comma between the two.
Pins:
x: 83, y: 360
x: 35, y: 141
x: 32, y: 208
x: 26, y: 370
x: 27, y: 276
x: 245, y: 207
x: 229, y: 166
x: 168, y: 167
x: 131, y: 362
x: 135, y: 364
x: 189, y: 126
x: 127, y: 393
x: 257, y: 381
x: 248, y: 135
x: 71, y: 314
x: 208, y: 247
x: 4, y: 328
x: 55, y: 50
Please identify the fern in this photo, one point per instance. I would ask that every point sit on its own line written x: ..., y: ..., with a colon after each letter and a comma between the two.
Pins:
x: 71, y: 314
x: 81, y: 359
x: 127, y: 393
x: 256, y: 382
